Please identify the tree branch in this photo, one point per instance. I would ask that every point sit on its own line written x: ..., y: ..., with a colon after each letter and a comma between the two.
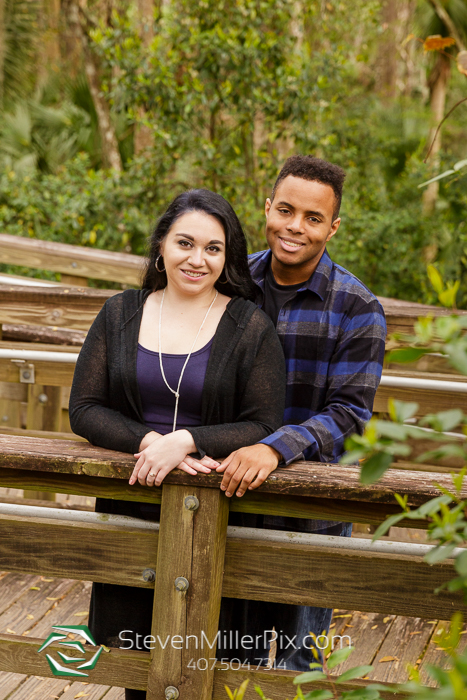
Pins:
x: 450, y: 26
x: 440, y: 125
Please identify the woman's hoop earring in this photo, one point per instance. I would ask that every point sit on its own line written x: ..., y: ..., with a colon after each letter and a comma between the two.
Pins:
x: 156, y: 263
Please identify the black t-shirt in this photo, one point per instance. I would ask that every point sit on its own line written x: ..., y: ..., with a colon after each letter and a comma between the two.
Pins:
x: 276, y: 295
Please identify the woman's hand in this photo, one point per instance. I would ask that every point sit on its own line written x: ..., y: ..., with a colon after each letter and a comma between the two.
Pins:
x: 148, y: 439
x: 161, y: 456
x: 191, y: 465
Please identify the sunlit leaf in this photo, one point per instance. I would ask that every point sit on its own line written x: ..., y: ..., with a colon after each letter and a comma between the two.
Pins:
x: 388, y: 523
x: 309, y: 677
x: 406, y: 354
x: 374, y: 467
x: 435, y: 279
x: 338, y: 656
x: 436, y: 42
x: 357, y: 672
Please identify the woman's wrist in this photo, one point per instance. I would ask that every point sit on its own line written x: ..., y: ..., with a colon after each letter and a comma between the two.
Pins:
x: 148, y: 439
x: 186, y: 440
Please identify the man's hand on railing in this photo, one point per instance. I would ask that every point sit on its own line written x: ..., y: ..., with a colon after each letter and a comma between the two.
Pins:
x: 247, y: 468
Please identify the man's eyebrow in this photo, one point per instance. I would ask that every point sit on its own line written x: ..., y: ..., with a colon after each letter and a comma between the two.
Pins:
x: 308, y: 213
x: 191, y: 238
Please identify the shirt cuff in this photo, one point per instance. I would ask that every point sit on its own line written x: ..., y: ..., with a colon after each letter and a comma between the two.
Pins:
x: 285, y: 443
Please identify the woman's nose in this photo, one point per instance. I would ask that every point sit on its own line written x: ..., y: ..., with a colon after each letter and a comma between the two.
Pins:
x: 196, y: 257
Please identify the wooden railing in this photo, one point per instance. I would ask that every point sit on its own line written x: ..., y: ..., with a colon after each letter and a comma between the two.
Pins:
x: 216, y: 560
x: 75, y: 263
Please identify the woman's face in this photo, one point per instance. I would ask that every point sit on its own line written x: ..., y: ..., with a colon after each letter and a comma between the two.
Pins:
x: 194, y: 253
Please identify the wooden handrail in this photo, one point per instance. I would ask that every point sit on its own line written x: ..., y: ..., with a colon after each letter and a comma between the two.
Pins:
x: 195, y: 542
x: 77, y: 261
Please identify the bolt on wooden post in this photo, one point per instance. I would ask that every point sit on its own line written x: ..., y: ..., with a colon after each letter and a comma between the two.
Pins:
x: 188, y: 589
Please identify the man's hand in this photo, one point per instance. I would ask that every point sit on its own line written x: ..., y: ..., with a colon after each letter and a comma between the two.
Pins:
x: 247, y: 468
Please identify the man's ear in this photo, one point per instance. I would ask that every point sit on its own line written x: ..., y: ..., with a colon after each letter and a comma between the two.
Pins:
x: 267, y: 206
x: 334, y: 227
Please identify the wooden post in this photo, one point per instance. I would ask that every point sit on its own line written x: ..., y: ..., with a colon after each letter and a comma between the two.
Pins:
x: 192, y: 546
x: 34, y: 421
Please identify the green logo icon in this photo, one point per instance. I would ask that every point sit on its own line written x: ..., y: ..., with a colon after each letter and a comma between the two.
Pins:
x: 57, y: 668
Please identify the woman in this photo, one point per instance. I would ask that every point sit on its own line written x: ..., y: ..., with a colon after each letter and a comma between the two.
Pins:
x: 186, y: 365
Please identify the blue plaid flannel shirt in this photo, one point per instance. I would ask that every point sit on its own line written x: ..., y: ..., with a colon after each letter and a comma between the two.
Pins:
x: 333, y: 333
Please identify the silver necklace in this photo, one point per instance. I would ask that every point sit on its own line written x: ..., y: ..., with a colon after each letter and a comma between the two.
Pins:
x: 177, y: 392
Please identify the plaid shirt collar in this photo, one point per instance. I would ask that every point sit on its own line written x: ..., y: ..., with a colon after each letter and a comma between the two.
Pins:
x: 317, y: 283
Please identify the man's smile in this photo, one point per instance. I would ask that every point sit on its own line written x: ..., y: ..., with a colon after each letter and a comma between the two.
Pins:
x: 290, y: 243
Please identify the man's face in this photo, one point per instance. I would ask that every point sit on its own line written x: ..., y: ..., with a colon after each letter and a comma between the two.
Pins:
x: 299, y: 222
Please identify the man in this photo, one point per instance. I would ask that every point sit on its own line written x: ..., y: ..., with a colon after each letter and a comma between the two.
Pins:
x: 332, y: 330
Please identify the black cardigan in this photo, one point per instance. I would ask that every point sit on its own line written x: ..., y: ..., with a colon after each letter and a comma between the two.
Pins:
x: 243, y: 393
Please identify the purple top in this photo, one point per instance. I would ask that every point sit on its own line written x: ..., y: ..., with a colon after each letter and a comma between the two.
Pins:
x: 158, y: 402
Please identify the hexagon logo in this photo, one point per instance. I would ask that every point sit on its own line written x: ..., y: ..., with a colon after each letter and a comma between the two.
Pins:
x: 61, y: 634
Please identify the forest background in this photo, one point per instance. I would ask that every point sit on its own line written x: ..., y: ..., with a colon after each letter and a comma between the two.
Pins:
x: 109, y: 108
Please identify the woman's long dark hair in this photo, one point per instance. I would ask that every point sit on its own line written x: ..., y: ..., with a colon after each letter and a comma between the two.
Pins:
x: 235, y: 279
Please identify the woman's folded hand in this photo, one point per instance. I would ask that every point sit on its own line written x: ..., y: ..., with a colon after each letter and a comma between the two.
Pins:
x: 162, y: 455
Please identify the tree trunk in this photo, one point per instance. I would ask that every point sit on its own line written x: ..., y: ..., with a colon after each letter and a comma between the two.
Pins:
x: 110, y: 152
x: 143, y: 138
x: 387, y: 54
x: 2, y: 48
x: 49, y: 56
x: 437, y: 83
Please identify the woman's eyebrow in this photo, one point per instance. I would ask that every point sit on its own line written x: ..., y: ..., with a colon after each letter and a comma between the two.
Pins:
x: 191, y: 238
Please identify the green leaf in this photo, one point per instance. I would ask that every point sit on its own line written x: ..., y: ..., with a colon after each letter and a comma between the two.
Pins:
x: 309, y: 677
x: 403, y: 355
x: 319, y: 695
x: 461, y: 564
x: 374, y: 467
x: 430, y: 507
x: 448, y: 297
x: 433, y: 274
x: 401, y: 411
x: 449, y: 419
x: 394, y: 431
x: 438, y: 553
x: 338, y: 656
x: 460, y: 164
x: 357, y: 672
x: 388, y: 523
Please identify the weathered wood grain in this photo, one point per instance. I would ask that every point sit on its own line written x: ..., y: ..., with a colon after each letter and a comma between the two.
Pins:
x: 405, y: 641
x: 129, y: 669
x: 393, y: 584
x: 126, y: 669
x: 15, y: 617
x: 365, y: 633
x: 72, y: 260
x: 310, y: 479
x: 429, y: 400
x: 64, y: 307
x: 82, y: 551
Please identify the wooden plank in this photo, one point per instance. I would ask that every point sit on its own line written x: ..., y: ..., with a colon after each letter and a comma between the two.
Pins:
x: 83, y: 551
x: 365, y: 633
x: 66, y: 611
x: 13, y: 586
x: 192, y: 545
x: 126, y: 669
x: 48, y: 373
x: 65, y: 307
x: 90, y: 692
x: 10, y: 682
x: 404, y: 643
x: 33, y: 601
x: 436, y: 656
x: 429, y: 400
x: 35, y: 688
x: 387, y: 583
x: 13, y: 392
x: 48, y: 434
x: 18, y: 333
x: 129, y: 669
x: 278, y: 685
x: 310, y: 479
x: 70, y: 259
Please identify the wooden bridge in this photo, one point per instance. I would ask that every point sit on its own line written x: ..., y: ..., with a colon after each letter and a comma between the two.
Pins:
x: 385, y: 578
x: 389, y: 584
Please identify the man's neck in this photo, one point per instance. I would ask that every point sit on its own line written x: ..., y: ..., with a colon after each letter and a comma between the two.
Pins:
x: 292, y: 274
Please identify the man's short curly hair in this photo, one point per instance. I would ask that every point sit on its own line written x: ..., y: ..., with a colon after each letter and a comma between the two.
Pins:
x: 311, y: 168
